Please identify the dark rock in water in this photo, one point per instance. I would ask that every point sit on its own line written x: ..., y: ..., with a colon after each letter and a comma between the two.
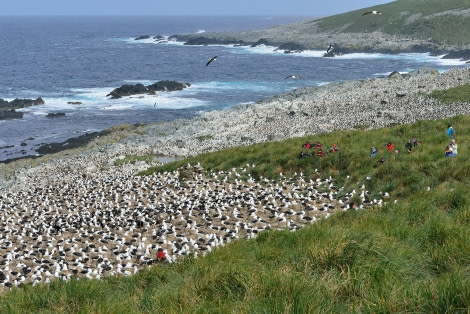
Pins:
x: 203, y: 41
x: 167, y: 86
x: 291, y: 48
x: 129, y: 90
x: 20, y: 103
x: 160, y: 39
x: 10, y: 114
x: 261, y: 42
x: 143, y: 37
x: 71, y: 143
x: 74, y: 103
x: 55, y: 115
x: 463, y: 55
x: 7, y: 108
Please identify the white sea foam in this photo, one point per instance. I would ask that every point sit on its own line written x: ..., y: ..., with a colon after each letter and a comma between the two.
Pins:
x: 165, y: 40
x: 423, y: 57
x: 261, y: 49
x: 90, y: 99
x: 251, y: 86
x: 264, y: 49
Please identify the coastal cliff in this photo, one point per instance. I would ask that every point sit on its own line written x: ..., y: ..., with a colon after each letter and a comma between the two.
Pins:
x: 435, y: 26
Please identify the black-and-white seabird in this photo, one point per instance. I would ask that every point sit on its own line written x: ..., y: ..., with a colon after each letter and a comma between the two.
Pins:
x: 292, y: 77
x: 372, y: 12
x: 330, y: 47
x: 211, y: 59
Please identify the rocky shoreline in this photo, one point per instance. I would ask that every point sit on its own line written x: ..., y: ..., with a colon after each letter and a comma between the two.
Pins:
x: 375, y: 103
x: 306, y: 35
x: 76, y: 213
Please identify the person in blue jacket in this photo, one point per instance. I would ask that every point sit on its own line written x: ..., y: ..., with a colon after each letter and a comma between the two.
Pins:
x: 450, y: 131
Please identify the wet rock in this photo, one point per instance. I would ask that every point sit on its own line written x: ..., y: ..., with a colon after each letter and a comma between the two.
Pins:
x: 129, y: 90
x: 55, y: 115
x: 142, y: 37
x: 10, y: 114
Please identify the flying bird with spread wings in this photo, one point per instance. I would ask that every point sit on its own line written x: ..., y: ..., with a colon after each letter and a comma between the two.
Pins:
x: 211, y: 59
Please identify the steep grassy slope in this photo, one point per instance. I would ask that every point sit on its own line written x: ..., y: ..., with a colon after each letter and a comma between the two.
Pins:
x: 446, y: 22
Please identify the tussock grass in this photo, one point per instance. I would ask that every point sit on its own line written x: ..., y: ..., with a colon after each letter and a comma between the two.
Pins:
x: 451, y: 95
x: 412, y: 255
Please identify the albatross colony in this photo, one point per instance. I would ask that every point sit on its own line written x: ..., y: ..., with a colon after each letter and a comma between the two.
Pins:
x: 113, y: 224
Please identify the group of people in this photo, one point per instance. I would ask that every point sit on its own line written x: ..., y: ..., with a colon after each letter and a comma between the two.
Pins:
x: 450, y: 150
x: 319, y: 147
x: 410, y: 145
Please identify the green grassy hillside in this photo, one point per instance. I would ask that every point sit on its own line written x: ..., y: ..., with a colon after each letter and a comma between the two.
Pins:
x: 446, y: 22
x: 410, y: 255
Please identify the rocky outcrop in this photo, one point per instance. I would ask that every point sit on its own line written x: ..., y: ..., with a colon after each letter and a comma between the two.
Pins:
x: 7, y: 108
x: 262, y: 42
x: 70, y: 143
x: 291, y: 47
x: 20, y: 103
x: 160, y: 86
x: 142, y: 37
x: 128, y: 90
x: 463, y: 55
x: 10, y: 114
x: 204, y: 41
x: 167, y: 86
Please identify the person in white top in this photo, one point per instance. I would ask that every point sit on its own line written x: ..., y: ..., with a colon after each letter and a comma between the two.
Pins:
x: 454, y: 146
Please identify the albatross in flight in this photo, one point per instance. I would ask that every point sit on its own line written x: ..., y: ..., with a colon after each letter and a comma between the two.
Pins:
x: 372, y: 12
x: 211, y: 59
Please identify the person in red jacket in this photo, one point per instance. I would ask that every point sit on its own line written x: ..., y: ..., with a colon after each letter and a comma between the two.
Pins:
x: 390, y: 146
x: 321, y: 153
x: 161, y: 256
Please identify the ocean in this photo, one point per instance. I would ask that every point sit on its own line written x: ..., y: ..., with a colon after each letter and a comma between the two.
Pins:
x: 83, y: 58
